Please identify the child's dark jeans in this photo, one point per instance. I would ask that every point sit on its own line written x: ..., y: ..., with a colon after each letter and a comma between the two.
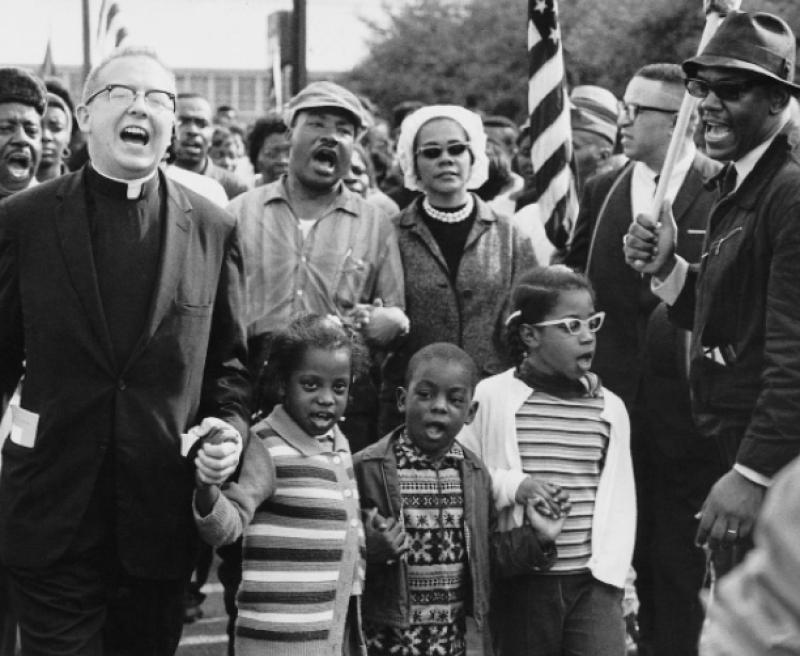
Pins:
x: 555, y: 614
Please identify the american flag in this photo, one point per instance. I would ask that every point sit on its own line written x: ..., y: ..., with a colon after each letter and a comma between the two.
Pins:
x: 112, y: 31
x: 551, y: 150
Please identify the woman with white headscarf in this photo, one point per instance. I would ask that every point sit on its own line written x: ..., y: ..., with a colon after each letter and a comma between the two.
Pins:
x: 460, y: 258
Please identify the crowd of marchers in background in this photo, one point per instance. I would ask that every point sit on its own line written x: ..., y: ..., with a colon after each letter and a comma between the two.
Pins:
x: 339, y: 347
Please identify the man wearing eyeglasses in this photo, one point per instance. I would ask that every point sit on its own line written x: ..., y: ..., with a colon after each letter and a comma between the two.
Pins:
x: 120, y: 297
x: 640, y: 355
x: 743, y: 304
x: 193, y: 140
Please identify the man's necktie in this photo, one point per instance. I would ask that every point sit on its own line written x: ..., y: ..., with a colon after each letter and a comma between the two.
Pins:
x: 728, y: 180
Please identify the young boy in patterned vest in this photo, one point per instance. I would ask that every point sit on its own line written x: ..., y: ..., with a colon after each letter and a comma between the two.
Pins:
x: 429, y: 515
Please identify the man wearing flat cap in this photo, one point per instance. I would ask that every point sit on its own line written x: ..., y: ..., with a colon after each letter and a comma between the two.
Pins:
x: 120, y: 298
x: 743, y: 301
x: 23, y: 98
x: 310, y: 244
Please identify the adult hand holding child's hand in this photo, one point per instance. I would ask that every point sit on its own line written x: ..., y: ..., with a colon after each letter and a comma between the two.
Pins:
x: 219, y: 453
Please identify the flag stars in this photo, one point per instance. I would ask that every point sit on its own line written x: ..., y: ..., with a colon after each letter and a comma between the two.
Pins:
x: 541, y: 6
x: 555, y: 34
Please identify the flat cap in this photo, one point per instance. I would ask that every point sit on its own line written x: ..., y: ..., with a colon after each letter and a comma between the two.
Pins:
x: 325, y: 94
x: 21, y: 86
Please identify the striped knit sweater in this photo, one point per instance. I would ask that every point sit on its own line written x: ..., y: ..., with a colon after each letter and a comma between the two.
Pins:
x: 297, y: 504
x: 564, y: 441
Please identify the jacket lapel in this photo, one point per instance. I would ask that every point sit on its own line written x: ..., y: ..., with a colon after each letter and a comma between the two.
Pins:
x: 414, y: 223
x: 72, y: 226
x: 484, y: 217
x: 177, y: 228
x: 691, y: 187
x: 616, y: 207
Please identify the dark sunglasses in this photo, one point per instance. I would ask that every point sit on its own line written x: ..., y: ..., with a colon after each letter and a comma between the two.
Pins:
x: 435, y: 152
x: 732, y: 90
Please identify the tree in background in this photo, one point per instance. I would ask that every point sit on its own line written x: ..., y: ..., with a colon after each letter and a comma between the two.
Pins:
x: 472, y: 52
x: 447, y: 51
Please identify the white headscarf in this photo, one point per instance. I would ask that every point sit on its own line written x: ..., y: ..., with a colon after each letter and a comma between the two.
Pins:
x: 473, y: 126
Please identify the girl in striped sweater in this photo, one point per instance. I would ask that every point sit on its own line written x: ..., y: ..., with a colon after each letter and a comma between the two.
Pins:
x: 296, y: 502
x: 548, y: 427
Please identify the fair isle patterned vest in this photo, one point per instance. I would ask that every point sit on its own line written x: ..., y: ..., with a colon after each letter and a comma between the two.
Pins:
x: 303, y: 552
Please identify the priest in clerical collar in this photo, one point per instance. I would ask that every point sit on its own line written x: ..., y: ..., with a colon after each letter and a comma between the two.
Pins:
x: 120, y: 303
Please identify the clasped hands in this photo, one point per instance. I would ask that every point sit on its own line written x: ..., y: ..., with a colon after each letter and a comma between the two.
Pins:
x: 387, y: 542
x: 546, y: 506
x: 378, y: 323
x: 219, y: 452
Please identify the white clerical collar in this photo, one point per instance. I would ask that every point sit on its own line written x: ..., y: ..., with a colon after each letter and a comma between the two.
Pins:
x: 134, y: 186
x: 747, y: 163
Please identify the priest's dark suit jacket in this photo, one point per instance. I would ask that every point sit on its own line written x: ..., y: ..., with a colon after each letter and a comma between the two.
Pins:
x: 189, y: 363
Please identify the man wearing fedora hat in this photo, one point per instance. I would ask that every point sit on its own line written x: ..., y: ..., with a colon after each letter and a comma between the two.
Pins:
x: 641, y: 355
x: 743, y: 301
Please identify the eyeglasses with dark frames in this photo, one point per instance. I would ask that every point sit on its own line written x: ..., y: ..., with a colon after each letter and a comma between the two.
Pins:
x: 435, y: 152
x: 574, y: 326
x: 629, y: 111
x: 729, y: 90
x: 124, y: 95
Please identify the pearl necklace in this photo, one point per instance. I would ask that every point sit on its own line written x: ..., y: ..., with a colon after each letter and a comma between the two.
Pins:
x: 449, y: 217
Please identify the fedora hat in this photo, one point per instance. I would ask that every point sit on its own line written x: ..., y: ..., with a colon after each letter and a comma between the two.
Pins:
x: 759, y: 43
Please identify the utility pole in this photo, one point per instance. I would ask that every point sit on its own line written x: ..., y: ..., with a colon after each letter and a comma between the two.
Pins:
x: 87, y: 40
x: 299, y: 77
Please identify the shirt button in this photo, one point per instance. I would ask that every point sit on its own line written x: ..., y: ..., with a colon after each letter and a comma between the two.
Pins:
x: 304, y: 259
x: 354, y: 523
x: 121, y: 385
x: 336, y: 460
x: 348, y: 493
x: 299, y: 292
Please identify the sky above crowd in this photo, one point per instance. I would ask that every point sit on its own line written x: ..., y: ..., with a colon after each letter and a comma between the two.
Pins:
x: 192, y: 33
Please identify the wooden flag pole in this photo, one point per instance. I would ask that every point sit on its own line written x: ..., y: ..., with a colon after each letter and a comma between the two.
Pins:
x: 715, y: 10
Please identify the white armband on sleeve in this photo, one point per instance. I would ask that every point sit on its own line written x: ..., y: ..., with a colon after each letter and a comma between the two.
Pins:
x: 670, y: 288
x: 752, y: 475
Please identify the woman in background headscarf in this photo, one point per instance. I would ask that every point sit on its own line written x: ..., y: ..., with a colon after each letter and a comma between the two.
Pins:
x: 460, y: 258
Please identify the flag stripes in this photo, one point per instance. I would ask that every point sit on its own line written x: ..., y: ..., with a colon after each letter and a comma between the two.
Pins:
x: 551, y: 150
x: 112, y: 31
